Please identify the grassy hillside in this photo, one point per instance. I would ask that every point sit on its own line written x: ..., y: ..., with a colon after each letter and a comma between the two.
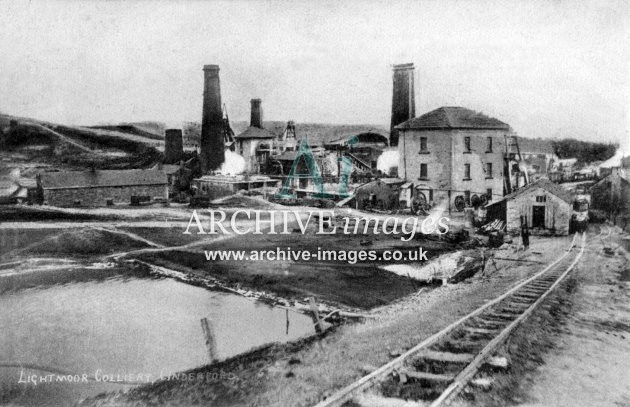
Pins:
x: 36, y: 144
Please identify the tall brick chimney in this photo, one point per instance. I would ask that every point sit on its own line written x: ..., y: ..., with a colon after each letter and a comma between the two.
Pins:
x: 403, y: 99
x: 212, y: 144
x: 256, y: 119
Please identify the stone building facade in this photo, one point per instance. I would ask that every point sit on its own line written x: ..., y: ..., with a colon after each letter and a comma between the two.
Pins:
x: 545, y: 206
x: 255, y: 145
x: 453, y: 154
x: 101, y: 188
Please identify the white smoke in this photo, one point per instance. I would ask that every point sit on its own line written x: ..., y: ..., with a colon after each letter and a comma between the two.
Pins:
x: 234, y: 164
x: 387, y: 160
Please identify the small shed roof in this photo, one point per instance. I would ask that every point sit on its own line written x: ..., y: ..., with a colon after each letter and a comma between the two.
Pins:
x: 541, y: 183
x: 101, y: 178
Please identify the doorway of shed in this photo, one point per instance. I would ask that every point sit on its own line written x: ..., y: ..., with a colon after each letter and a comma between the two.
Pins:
x: 538, y: 216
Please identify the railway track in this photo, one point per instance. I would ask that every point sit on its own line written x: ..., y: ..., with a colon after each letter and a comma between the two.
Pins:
x: 436, y: 370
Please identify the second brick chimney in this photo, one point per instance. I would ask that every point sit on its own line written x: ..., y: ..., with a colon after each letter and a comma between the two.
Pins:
x: 256, y: 119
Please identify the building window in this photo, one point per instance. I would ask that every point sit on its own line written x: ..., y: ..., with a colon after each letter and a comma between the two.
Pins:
x: 467, y: 197
x: 466, y: 171
x: 424, y: 173
x: 541, y: 198
x: 489, y: 146
x: 467, y: 144
x: 489, y: 194
x: 430, y: 195
x: 488, y: 170
x: 423, y: 145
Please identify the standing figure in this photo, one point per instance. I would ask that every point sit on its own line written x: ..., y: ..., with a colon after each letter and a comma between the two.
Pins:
x: 524, y: 232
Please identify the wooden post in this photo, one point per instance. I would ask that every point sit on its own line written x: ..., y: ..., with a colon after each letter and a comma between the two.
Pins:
x: 319, y: 327
x: 209, y: 335
x: 287, y: 315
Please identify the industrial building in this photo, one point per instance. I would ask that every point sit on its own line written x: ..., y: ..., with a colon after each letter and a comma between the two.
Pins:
x: 612, y: 193
x: 216, y: 186
x: 102, y: 187
x: 545, y: 206
x: 459, y: 156
x: 255, y: 144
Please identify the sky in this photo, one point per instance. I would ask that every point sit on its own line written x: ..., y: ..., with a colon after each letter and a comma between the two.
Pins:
x: 547, y: 68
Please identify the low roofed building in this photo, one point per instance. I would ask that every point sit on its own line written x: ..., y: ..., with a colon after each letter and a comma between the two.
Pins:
x: 612, y: 193
x: 102, y: 187
x: 543, y: 205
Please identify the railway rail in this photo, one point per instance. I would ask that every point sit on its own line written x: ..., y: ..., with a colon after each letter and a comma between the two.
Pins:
x: 436, y: 370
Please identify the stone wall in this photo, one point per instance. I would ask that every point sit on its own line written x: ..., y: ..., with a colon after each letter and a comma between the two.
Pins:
x: 98, y: 196
x: 478, y: 157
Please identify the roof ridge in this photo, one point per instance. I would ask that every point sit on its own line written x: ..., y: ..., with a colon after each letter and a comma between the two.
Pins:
x: 454, y: 117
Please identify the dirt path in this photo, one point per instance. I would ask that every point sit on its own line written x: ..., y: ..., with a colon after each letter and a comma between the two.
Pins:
x: 130, y: 235
x: 61, y: 137
x: 590, y: 366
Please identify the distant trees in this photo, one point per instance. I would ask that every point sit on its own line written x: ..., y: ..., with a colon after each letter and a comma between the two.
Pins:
x: 584, y: 151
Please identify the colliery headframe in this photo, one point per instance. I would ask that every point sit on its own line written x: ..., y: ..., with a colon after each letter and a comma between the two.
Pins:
x: 450, y: 156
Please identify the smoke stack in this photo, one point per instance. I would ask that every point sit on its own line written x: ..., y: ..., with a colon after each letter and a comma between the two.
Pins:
x: 173, y: 146
x: 403, y: 99
x: 212, y: 145
x: 256, y: 116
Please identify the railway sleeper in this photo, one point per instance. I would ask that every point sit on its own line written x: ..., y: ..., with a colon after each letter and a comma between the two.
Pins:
x: 425, y: 377
x: 441, y: 362
x: 460, y: 346
x: 517, y: 308
x: 481, y: 330
x: 533, y: 291
x: 374, y: 400
x: 448, y: 357
x: 412, y: 390
x: 525, y: 298
x: 436, y: 367
x: 540, y: 285
x: 501, y: 316
x: 480, y: 322
x: 475, y: 334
